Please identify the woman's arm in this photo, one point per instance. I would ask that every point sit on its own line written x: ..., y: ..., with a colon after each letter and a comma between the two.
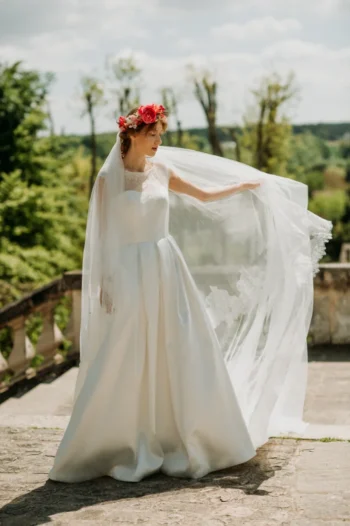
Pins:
x: 176, y: 184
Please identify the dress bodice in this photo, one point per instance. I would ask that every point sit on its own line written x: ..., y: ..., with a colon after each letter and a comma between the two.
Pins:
x: 144, y: 205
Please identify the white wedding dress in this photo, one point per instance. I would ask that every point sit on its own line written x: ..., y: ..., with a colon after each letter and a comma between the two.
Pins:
x: 157, y: 394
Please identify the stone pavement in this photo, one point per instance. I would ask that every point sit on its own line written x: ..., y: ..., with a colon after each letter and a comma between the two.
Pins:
x: 291, y: 482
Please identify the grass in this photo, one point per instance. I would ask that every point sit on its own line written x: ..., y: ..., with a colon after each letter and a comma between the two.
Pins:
x: 323, y: 439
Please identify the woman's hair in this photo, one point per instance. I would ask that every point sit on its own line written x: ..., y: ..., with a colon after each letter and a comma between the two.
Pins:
x: 125, y: 135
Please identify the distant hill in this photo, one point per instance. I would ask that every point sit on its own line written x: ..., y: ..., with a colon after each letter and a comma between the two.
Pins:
x: 105, y: 141
x: 324, y: 130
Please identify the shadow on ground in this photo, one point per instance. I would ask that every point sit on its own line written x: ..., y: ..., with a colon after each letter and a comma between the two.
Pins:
x: 329, y: 353
x: 39, y: 505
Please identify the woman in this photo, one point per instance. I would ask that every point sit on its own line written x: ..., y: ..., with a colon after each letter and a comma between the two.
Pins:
x: 188, y: 367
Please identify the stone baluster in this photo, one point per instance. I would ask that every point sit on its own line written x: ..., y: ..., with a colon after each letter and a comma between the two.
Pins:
x: 4, y: 367
x: 23, y: 350
x: 51, y: 336
x: 72, y: 331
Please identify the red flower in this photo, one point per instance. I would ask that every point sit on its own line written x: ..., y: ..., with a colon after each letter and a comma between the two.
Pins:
x: 121, y: 122
x: 148, y: 113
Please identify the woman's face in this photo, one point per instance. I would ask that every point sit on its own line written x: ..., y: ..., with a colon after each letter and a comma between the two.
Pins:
x: 147, y: 141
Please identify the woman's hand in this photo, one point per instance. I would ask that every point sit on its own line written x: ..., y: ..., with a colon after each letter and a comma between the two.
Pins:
x: 250, y: 185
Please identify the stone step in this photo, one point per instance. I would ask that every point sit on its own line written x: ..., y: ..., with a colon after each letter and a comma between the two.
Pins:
x: 47, y: 399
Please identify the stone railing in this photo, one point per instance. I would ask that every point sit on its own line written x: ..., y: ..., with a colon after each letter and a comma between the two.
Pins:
x: 42, y: 301
x: 330, y: 321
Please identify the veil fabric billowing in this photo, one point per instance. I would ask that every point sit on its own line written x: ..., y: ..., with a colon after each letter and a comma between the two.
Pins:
x: 253, y: 256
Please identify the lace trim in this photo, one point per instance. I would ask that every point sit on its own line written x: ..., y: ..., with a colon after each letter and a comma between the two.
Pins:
x: 225, y: 307
x: 318, y: 242
x: 135, y: 180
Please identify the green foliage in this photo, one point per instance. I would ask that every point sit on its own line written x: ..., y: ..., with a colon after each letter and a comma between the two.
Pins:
x: 193, y: 142
x: 44, y: 180
x: 307, y: 153
x: 344, y: 147
x: 42, y: 229
x: 5, y: 342
x: 335, y: 177
x: 329, y: 204
x: 34, y: 326
x: 267, y: 131
x: 22, y: 98
x: 43, y: 197
x: 37, y: 360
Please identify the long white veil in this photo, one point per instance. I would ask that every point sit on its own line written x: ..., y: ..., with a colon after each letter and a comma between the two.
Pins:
x: 252, y: 255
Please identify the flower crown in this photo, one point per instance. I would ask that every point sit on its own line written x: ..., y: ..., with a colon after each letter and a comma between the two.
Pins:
x: 144, y: 114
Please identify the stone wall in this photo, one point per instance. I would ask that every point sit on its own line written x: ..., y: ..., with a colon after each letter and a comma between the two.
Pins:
x: 331, y: 315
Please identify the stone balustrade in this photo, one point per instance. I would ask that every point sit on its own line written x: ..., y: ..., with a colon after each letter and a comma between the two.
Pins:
x: 42, y: 301
x: 330, y: 322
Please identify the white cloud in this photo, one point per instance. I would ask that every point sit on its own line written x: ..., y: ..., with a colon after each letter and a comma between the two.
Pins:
x: 185, y: 44
x: 312, y: 62
x: 21, y: 19
x: 169, y: 32
x: 260, y: 28
x: 323, y: 7
x: 71, y: 37
x: 297, y: 7
x: 322, y: 74
x: 181, y: 6
x: 48, y: 52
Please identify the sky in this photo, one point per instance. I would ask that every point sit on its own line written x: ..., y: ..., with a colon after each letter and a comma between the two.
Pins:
x: 239, y: 41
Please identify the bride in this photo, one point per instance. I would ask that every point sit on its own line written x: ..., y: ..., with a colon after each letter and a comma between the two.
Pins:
x: 196, y: 304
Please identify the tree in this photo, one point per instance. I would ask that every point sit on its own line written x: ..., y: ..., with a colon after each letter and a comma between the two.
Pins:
x: 234, y: 133
x: 93, y: 96
x: 344, y: 146
x: 42, y: 225
x: 50, y: 119
x: 170, y: 102
x: 42, y: 210
x: 267, y: 130
x: 22, y: 117
x: 334, y: 206
x: 128, y: 76
x: 307, y: 154
x: 205, y: 90
x: 307, y: 161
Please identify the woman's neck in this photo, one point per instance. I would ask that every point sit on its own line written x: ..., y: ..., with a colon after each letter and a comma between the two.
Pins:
x: 134, y: 162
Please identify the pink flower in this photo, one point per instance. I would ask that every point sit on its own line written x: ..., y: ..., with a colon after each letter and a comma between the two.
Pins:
x: 121, y: 122
x: 160, y: 109
x: 148, y: 113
